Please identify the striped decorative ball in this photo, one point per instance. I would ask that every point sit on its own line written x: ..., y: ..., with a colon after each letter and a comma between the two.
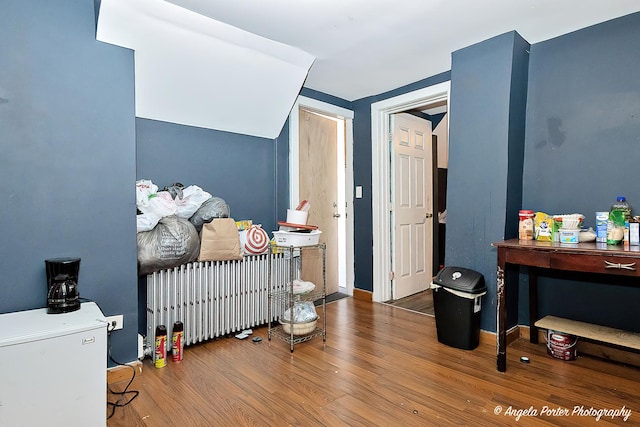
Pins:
x: 257, y: 240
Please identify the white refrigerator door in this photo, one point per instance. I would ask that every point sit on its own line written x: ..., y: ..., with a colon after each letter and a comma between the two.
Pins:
x: 53, y: 368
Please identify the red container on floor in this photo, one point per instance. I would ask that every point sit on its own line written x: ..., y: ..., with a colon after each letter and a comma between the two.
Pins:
x: 561, y: 346
x: 177, y: 342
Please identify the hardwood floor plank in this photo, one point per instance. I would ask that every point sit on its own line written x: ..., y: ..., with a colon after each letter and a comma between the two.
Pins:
x: 380, y: 366
x: 421, y: 302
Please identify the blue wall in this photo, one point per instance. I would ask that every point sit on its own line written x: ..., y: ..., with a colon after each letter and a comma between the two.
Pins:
x: 241, y: 169
x: 362, y: 174
x: 575, y: 103
x: 484, y: 180
x: 67, y: 160
x: 582, y: 150
x: 68, y: 155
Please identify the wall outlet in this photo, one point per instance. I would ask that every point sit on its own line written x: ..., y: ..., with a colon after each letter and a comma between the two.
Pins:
x: 115, y: 322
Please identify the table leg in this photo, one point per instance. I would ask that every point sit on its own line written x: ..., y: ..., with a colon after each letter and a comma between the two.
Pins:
x: 533, y: 305
x: 501, y: 331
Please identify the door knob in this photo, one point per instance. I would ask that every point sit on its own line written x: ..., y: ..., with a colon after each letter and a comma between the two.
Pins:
x: 429, y: 215
x: 336, y: 215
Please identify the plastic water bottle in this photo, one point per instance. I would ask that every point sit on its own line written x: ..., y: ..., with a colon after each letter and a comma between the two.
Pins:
x: 619, y: 215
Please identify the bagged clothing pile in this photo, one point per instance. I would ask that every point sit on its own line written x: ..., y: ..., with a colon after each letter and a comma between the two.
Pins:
x: 172, y: 242
x: 185, y: 202
x: 179, y: 224
x: 169, y: 222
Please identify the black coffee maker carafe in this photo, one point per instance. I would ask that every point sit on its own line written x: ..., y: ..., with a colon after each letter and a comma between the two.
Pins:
x: 62, y: 285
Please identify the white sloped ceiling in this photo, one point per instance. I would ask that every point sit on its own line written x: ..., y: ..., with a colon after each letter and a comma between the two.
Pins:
x: 194, y: 70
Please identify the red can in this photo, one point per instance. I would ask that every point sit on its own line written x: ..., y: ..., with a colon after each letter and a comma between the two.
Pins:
x: 561, y: 346
x: 177, y: 342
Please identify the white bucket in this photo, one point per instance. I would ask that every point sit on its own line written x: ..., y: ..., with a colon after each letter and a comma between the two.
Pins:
x: 297, y: 217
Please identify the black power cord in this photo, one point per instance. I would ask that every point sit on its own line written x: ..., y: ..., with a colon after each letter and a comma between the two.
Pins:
x: 119, y: 402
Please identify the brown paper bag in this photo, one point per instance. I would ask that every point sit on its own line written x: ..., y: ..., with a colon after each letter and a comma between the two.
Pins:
x: 220, y: 240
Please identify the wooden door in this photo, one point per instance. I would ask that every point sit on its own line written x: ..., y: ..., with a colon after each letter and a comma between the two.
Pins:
x: 412, y: 232
x: 319, y: 185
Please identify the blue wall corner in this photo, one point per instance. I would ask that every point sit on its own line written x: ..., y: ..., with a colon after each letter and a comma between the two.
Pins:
x: 488, y: 81
x: 67, y: 160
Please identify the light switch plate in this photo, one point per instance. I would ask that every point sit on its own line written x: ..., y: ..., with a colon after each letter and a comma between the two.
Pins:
x: 358, y: 191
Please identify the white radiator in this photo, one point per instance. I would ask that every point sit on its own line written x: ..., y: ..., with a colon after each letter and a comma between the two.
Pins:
x: 214, y: 298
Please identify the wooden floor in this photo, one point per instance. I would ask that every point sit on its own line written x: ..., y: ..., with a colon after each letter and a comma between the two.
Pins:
x: 380, y: 366
x: 421, y: 302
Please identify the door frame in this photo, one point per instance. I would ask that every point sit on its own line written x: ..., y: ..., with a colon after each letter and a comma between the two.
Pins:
x: 381, y: 180
x: 294, y: 169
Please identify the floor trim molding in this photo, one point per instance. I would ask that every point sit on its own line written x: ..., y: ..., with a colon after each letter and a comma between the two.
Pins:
x: 362, y: 295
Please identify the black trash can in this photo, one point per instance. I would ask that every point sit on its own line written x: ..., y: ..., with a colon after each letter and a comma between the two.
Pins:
x: 457, y: 294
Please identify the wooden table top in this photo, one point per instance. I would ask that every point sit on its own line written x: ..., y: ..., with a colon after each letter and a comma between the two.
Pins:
x: 584, y: 247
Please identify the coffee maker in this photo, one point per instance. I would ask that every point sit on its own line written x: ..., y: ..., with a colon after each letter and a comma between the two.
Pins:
x: 62, y: 285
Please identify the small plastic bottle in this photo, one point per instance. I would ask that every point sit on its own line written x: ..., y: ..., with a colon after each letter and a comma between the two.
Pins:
x: 619, y: 215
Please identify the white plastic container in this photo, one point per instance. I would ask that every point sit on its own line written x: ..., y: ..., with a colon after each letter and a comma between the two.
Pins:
x: 569, y: 236
x: 293, y: 238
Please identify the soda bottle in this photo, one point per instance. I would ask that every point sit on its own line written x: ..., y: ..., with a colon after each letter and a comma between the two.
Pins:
x: 618, y: 215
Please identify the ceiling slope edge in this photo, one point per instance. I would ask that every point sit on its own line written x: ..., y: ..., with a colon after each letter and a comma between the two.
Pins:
x: 196, y: 71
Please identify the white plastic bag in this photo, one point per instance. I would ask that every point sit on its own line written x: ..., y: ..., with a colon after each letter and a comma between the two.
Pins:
x: 146, y: 222
x: 144, y: 190
x: 192, y: 198
x: 303, y: 312
x: 161, y: 205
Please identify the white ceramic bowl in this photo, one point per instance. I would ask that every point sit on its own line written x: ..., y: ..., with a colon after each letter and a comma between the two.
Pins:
x: 300, y: 328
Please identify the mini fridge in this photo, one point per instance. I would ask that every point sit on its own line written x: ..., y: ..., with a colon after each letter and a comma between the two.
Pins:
x: 53, y: 368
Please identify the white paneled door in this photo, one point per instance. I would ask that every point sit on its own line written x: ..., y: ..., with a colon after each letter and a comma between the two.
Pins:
x: 412, y: 205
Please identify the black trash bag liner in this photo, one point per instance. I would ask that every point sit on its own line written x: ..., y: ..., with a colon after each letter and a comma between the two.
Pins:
x: 172, y: 242
x: 215, y: 207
